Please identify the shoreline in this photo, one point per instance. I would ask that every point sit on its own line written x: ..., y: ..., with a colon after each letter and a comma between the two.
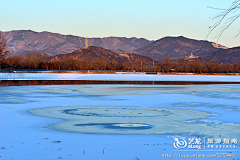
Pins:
x: 105, y: 82
x: 120, y: 72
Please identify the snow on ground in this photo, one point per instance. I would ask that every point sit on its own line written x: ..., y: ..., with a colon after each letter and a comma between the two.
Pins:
x: 132, y: 77
x: 26, y: 136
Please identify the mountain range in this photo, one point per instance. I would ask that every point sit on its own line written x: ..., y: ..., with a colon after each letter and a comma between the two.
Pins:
x: 20, y: 41
x: 178, y: 47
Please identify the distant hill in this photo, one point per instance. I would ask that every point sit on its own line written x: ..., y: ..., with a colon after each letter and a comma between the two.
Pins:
x: 178, y: 47
x: 231, y: 55
x: 20, y: 41
x: 119, y: 51
x: 93, y: 52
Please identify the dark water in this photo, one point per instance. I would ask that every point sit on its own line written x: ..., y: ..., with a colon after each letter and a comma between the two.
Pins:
x: 83, y: 82
x: 117, y: 126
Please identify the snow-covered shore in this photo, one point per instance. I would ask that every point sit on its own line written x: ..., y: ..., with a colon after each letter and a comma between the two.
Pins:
x: 133, y: 77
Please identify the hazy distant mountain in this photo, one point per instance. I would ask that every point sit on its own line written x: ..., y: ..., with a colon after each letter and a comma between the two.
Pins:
x: 93, y: 52
x: 231, y: 55
x: 178, y: 47
x: 20, y: 41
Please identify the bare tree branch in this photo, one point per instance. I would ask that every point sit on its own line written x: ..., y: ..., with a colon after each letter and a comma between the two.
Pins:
x: 223, y: 19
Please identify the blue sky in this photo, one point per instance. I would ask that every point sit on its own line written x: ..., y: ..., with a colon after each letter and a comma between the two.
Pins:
x: 150, y: 19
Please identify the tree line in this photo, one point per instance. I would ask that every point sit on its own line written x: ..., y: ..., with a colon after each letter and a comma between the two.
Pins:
x: 40, y: 60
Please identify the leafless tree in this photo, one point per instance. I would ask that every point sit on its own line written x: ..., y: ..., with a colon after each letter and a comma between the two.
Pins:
x: 236, y: 67
x: 113, y: 65
x: 228, y: 67
x: 225, y: 18
x: 126, y: 65
x: 35, y: 59
x: 165, y: 64
x: 15, y: 61
x: 3, y: 44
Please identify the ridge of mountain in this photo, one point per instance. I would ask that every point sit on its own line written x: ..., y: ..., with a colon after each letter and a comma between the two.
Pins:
x: 231, y: 55
x: 20, y: 41
x: 178, y: 47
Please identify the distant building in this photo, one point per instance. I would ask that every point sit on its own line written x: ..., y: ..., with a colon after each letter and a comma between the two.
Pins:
x: 191, y: 56
x: 86, y: 43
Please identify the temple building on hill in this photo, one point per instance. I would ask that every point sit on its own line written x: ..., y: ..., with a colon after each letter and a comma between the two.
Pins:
x: 191, y: 56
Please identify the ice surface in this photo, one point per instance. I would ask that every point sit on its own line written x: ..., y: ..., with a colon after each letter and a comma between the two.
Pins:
x: 131, y: 77
x: 26, y: 136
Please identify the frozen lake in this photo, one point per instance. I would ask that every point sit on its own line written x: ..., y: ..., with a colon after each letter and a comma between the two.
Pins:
x: 119, y: 77
x: 119, y: 121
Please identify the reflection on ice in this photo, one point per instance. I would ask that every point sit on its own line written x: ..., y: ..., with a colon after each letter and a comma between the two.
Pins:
x: 194, y: 105
x: 137, y: 120
x: 122, y: 120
